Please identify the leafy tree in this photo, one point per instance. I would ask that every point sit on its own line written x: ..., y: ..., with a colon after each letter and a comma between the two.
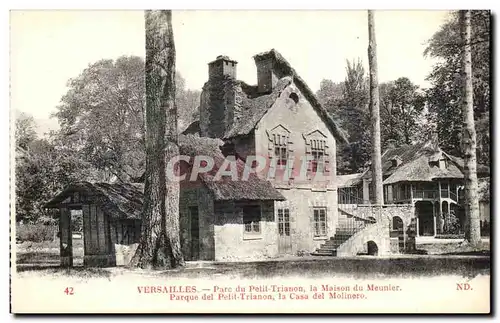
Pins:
x: 187, y: 102
x: 25, y: 130
x: 348, y: 103
x: 43, y: 168
x: 102, y: 116
x: 444, y: 95
x: 401, y: 109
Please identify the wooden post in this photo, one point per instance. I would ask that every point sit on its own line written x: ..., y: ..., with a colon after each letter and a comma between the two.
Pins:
x: 375, y: 113
x: 87, y: 234
x: 65, y: 242
x: 366, y: 192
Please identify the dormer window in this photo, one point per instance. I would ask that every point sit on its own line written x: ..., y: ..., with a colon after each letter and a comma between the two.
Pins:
x: 443, y: 164
x: 396, y: 161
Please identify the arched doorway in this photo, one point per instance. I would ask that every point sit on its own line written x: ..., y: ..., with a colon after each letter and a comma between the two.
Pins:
x: 372, y: 248
x: 425, y: 215
x: 398, y: 232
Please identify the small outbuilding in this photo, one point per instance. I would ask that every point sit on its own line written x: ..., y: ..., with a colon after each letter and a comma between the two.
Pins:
x: 111, y: 219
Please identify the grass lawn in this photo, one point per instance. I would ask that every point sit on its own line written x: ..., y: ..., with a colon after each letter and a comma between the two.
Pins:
x: 445, y: 259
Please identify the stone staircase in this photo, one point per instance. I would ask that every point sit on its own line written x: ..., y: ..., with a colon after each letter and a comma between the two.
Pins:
x: 348, y: 225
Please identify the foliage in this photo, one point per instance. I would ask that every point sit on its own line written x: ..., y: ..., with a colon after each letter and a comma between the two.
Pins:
x: 444, y: 95
x: 401, y: 108
x: 348, y: 103
x: 25, y: 129
x: 42, y: 170
x: 102, y: 116
x: 451, y: 223
x: 402, y: 111
x: 101, y: 137
x: 35, y: 232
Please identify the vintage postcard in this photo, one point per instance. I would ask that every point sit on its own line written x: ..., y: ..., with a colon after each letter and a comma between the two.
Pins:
x: 250, y: 161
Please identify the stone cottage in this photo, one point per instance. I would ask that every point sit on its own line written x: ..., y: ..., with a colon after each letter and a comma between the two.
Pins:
x: 278, y: 134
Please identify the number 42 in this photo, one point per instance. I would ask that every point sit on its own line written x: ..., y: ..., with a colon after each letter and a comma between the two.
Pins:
x: 69, y: 291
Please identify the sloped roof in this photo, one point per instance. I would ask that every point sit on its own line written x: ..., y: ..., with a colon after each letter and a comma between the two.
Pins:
x: 349, y: 180
x: 414, y: 164
x: 253, y: 109
x: 226, y: 189
x: 120, y: 200
x: 282, y: 68
x: 253, y: 105
x: 482, y: 170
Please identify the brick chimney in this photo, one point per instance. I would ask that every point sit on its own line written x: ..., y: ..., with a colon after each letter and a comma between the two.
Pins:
x: 217, y: 99
x: 222, y: 66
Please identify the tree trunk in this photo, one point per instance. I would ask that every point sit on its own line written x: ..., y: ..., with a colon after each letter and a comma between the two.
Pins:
x: 472, y: 230
x: 159, y: 246
x: 375, y: 113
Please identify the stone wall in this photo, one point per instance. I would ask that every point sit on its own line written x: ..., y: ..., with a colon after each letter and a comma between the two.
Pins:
x: 231, y: 241
x: 300, y: 119
x: 301, y: 203
x: 380, y: 231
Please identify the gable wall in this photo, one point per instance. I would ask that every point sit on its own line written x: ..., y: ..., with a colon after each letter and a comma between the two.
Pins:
x: 302, y: 197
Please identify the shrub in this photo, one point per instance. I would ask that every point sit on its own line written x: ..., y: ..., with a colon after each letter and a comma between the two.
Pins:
x: 35, y: 232
x: 451, y: 224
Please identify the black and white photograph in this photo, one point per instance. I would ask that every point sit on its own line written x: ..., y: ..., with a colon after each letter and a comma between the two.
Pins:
x: 250, y: 161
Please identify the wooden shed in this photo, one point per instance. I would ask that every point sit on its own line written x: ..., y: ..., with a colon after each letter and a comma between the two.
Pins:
x: 111, y: 219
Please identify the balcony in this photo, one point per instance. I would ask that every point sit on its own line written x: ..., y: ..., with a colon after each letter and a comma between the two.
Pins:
x: 425, y: 194
x: 402, y: 193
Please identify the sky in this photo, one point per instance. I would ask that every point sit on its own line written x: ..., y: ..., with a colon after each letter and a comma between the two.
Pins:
x: 50, y: 47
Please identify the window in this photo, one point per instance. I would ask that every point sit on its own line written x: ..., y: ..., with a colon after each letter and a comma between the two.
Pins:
x: 294, y: 97
x: 251, y: 219
x: 318, y: 154
x: 280, y: 149
x: 319, y: 222
x: 284, y: 222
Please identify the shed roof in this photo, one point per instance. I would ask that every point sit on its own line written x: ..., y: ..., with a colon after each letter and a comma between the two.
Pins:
x: 349, y: 180
x: 226, y: 189
x: 120, y: 200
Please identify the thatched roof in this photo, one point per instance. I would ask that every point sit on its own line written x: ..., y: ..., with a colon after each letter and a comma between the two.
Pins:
x: 253, y: 109
x: 226, y: 189
x: 120, y: 200
x: 413, y: 164
x: 124, y: 201
x: 482, y: 170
